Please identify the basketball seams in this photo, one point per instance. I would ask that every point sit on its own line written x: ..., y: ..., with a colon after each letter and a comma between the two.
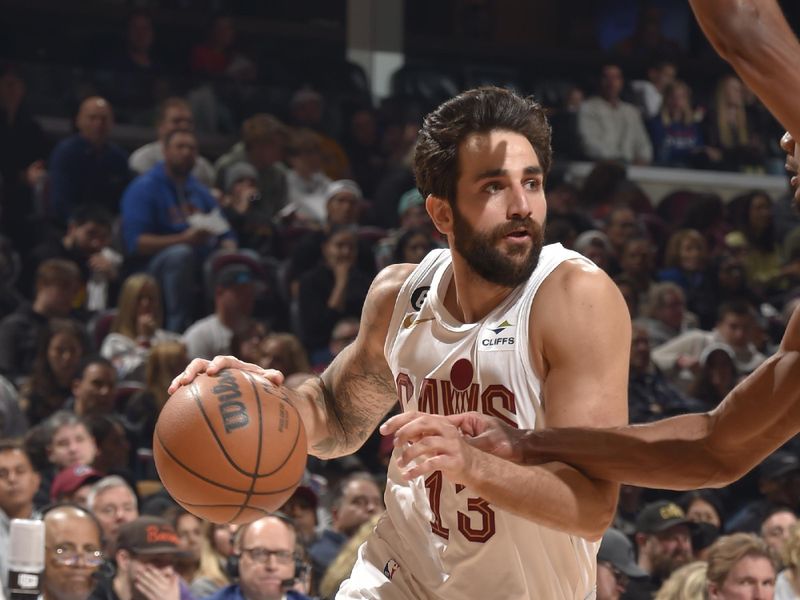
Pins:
x: 260, y: 410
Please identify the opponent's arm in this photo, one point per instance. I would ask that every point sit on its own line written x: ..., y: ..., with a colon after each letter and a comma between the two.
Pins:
x: 754, y: 37
x: 584, y: 337
x: 686, y: 452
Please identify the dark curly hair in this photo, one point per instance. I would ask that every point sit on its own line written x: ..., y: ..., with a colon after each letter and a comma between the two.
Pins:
x: 479, y: 110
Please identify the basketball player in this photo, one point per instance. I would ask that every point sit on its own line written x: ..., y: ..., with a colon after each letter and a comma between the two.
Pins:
x: 496, y: 324
x: 690, y: 451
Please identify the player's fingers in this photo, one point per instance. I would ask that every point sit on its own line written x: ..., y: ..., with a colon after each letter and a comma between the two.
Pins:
x: 421, y: 427
x: 427, y: 466
x: 424, y: 448
x: 398, y: 421
x: 787, y: 143
x: 274, y: 376
x: 197, y: 366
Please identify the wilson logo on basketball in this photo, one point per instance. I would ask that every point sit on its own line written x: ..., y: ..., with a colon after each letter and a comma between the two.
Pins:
x: 233, y: 411
x: 283, y: 419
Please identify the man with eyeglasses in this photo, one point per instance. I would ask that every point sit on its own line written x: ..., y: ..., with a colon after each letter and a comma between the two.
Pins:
x: 114, y: 503
x: 265, y: 552
x: 147, y: 549
x: 73, y: 553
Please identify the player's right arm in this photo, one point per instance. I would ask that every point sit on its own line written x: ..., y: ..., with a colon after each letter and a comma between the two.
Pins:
x: 685, y: 452
x: 342, y: 407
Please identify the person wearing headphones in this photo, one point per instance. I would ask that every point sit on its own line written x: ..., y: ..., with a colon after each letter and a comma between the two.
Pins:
x: 265, y: 564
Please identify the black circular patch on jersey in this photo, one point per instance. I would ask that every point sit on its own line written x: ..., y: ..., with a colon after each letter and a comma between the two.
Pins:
x: 418, y: 297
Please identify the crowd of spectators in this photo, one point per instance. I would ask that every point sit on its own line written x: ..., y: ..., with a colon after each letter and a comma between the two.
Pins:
x: 117, y: 268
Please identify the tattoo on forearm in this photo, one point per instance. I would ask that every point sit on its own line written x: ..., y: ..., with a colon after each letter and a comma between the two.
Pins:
x: 354, y: 401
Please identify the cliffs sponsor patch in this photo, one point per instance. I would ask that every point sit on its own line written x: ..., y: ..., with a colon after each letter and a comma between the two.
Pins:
x: 498, y: 338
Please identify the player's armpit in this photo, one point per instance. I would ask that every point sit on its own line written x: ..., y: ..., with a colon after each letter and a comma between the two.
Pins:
x: 356, y: 391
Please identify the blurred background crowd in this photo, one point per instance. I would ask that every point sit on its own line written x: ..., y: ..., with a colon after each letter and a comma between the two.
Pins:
x: 180, y: 182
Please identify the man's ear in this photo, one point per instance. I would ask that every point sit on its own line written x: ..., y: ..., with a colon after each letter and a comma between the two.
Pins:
x: 441, y: 213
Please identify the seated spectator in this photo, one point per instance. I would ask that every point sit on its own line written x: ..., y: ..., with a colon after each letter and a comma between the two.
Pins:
x: 594, y: 245
x: 216, y: 54
x: 57, y: 283
x: 729, y: 130
x: 139, y: 39
x: 740, y: 564
x: 651, y: 92
x: 284, y: 352
x: 87, y: 243
x: 637, y: 264
x: 336, y: 288
x: 173, y: 114
x: 666, y: 313
x: 69, y: 443
x: 778, y: 479
x: 776, y: 528
x: 114, y: 503
x: 164, y: 362
x: 355, y: 500
x: 363, y: 148
x: 73, y: 484
x: 241, y: 205
x: 620, y: 226
x: 628, y: 290
x: 18, y: 484
x: 307, y: 183
x: 676, y: 135
x: 787, y: 584
x: 716, y: 377
x: 73, y: 553
x: 663, y: 542
x: 62, y: 346
x: 687, y: 583
x: 703, y: 506
x: 10, y: 270
x: 616, y: 565
x: 235, y: 288
x: 136, y: 328
x: 344, y: 333
x: 86, y: 168
x: 94, y: 387
x: 413, y: 216
x: 247, y: 344
x: 733, y: 328
x: 564, y: 120
x: 147, y: 549
x: 762, y: 254
x: 266, y: 550
x: 651, y: 395
x: 686, y: 261
x: 113, y: 446
x: 263, y: 145
x: 342, y: 566
x: 199, y: 568
x: 611, y: 129
x: 412, y: 246
x: 306, y: 109
x: 158, y: 209
x: 302, y: 507
x: 23, y: 148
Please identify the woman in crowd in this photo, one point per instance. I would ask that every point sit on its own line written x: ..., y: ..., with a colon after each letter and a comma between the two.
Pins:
x: 787, y: 585
x: 200, y: 570
x: 136, y: 327
x: 676, y: 135
x: 716, y: 377
x: 61, y: 347
x: 762, y: 257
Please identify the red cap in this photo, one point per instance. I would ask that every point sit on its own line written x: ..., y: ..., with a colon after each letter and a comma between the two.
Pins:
x: 70, y: 479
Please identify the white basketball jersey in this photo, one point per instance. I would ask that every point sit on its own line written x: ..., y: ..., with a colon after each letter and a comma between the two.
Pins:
x: 454, y: 543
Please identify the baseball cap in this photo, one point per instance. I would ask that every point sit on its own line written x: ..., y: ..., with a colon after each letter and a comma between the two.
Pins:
x: 305, y: 494
x: 408, y: 200
x: 617, y: 549
x: 660, y: 516
x: 778, y: 464
x: 70, y: 479
x: 238, y: 171
x: 232, y: 268
x: 233, y: 275
x: 149, y: 535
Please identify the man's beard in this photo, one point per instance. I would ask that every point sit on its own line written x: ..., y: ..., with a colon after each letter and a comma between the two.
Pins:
x: 483, y: 256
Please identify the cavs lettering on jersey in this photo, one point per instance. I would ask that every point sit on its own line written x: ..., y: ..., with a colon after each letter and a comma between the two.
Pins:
x: 454, y: 543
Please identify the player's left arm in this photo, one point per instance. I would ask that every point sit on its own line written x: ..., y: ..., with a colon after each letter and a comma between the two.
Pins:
x: 581, y: 325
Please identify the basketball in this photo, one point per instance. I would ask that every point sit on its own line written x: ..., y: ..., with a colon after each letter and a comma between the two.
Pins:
x: 229, y: 448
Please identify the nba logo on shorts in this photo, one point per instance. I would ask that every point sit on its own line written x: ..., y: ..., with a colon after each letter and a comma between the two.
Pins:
x: 390, y: 568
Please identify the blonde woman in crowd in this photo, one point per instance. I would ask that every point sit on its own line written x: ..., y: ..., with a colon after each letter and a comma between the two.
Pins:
x: 136, y: 327
x: 685, y: 583
x: 787, y: 585
x: 340, y: 568
x: 740, y: 566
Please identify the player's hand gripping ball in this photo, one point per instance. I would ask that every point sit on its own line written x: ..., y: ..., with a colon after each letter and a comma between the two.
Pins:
x: 230, y: 448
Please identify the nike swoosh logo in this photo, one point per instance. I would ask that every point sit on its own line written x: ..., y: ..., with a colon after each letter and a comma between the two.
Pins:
x: 410, y: 321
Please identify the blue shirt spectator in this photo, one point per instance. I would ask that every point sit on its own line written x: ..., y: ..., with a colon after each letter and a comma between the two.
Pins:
x: 86, y: 168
